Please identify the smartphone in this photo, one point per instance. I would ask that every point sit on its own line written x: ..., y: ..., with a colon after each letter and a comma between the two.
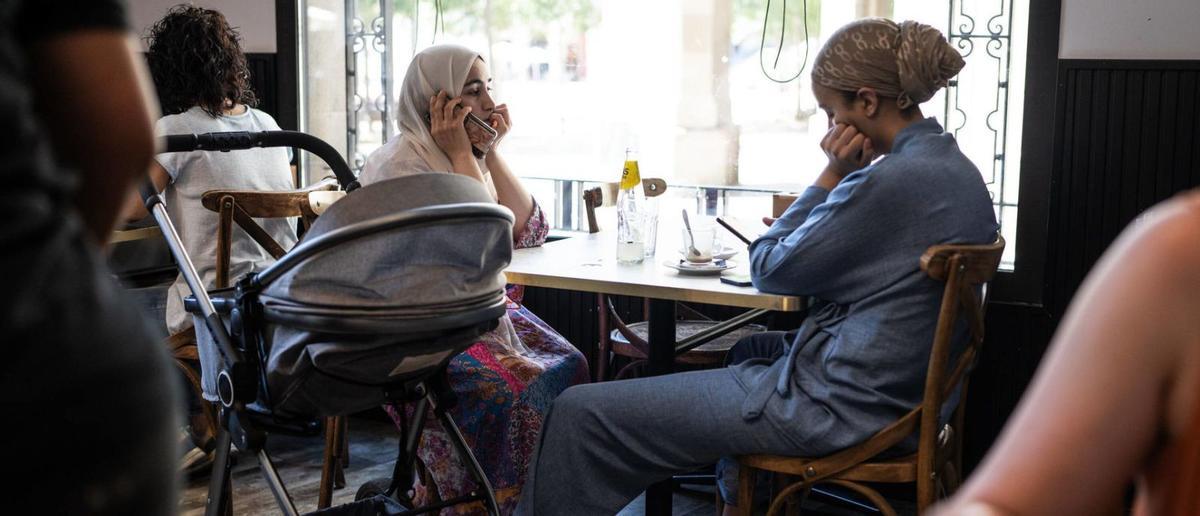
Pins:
x: 740, y: 280
x: 481, y: 134
x: 740, y: 234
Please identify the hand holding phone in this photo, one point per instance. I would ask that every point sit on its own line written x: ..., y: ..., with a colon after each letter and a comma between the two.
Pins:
x: 447, y: 119
x: 482, y: 135
x: 501, y: 121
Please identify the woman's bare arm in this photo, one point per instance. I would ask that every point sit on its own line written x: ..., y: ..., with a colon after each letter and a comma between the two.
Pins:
x: 509, y: 190
x: 135, y: 206
x: 1101, y: 398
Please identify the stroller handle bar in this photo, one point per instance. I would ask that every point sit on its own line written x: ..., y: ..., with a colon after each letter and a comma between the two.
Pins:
x: 413, y: 217
x: 236, y: 381
x: 227, y: 141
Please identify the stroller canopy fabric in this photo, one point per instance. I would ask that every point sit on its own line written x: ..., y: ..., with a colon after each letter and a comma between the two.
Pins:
x: 421, y: 271
x: 385, y: 305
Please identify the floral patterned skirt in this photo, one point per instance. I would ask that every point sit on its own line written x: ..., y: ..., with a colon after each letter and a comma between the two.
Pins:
x: 503, y: 394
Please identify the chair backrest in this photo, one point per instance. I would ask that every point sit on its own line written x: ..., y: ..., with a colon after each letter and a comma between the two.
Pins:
x: 594, y: 197
x: 964, y: 269
x: 243, y: 206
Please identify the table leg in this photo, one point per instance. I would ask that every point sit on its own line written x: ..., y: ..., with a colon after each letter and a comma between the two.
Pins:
x: 661, y: 361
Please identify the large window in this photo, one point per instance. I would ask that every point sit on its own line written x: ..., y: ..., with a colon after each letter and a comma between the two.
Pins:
x: 689, y: 83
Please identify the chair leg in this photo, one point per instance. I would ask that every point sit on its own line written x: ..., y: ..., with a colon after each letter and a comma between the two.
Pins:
x: 880, y: 502
x: 786, y: 498
x: 602, y: 345
x: 792, y: 501
x: 746, y: 478
x: 325, y: 495
x: 632, y: 370
x: 343, y: 452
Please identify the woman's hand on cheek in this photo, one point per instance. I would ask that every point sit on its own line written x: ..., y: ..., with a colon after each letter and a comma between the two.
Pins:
x: 446, y: 125
x: 847, y: 149
x: 500, y: 121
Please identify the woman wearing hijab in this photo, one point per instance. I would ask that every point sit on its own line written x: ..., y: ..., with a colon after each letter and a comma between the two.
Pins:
x: 852, y: 242
x: 506, y: 381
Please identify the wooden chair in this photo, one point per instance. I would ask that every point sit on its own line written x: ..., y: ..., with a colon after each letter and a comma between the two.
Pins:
x: 936, y: 466
x: 780, y: 202
x: 242, y: 207
x: 630, y: 340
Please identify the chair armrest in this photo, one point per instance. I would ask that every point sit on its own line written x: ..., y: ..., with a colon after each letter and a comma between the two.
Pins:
x: 268, y: 204
x: 319, y: 201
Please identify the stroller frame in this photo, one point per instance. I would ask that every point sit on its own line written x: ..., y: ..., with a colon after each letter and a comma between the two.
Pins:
x: 241, y: 380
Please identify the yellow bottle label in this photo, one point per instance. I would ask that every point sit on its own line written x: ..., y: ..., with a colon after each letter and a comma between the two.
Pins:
x: 630, y: 176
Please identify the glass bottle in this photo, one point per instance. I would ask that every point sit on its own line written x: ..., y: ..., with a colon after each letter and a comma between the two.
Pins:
x: 631, y: 203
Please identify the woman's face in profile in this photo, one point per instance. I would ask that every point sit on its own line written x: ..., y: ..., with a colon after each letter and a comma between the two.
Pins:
x: 836, y: 108
x: 477, y: 90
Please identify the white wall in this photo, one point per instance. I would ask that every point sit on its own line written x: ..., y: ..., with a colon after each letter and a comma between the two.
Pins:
x: 254, y: 19
x: 1130, y: 29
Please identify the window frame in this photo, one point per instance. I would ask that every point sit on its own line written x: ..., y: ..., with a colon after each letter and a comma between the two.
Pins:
x: 1025, y: 284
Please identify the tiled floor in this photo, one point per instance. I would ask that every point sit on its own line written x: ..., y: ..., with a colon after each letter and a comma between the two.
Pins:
x: 372, y: 455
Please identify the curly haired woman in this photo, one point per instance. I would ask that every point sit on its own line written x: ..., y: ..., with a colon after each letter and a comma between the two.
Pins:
x: 204, y: 86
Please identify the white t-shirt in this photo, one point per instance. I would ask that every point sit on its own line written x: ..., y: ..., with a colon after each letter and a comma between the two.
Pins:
x: 193, y: 173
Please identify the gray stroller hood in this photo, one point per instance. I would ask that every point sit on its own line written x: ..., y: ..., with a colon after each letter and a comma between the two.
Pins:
x: 424, y: 270
x: 384, y: 306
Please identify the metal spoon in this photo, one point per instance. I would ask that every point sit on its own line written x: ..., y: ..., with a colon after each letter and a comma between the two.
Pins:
x: 691, y: 239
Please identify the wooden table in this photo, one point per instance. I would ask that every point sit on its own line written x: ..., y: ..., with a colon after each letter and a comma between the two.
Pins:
x: 588, y: 263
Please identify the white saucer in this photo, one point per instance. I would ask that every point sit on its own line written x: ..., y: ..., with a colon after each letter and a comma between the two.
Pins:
x: 723, y: 254
x: 701, y: 269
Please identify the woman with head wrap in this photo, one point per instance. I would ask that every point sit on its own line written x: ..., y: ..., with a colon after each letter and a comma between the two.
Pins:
x: 504, y: 382
x: 894, y: 185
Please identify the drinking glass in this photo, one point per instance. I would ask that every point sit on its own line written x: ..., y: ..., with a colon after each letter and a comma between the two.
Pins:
x: 701, y: 238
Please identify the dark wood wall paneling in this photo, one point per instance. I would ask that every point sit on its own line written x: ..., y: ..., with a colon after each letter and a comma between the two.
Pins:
x: 1125, y: 134
x: 264, y: 80
x: 1126, y: 139
x: 1015, y: 341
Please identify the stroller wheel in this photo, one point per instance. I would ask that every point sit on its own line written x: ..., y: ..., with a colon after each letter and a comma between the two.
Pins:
x: 371, y: 488
x: 378, y: 488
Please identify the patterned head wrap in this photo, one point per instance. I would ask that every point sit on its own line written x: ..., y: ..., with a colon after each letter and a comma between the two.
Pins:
x: 909, y: 61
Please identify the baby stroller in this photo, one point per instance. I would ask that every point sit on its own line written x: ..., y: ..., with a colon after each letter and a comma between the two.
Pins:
x: 385, y: 288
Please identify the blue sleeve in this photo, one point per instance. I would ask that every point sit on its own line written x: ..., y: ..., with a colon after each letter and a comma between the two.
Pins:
x: 824, y: 244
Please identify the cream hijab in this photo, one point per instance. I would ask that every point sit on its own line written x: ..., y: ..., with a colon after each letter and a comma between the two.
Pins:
x: 441, y: 67
x: 413, y: 151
